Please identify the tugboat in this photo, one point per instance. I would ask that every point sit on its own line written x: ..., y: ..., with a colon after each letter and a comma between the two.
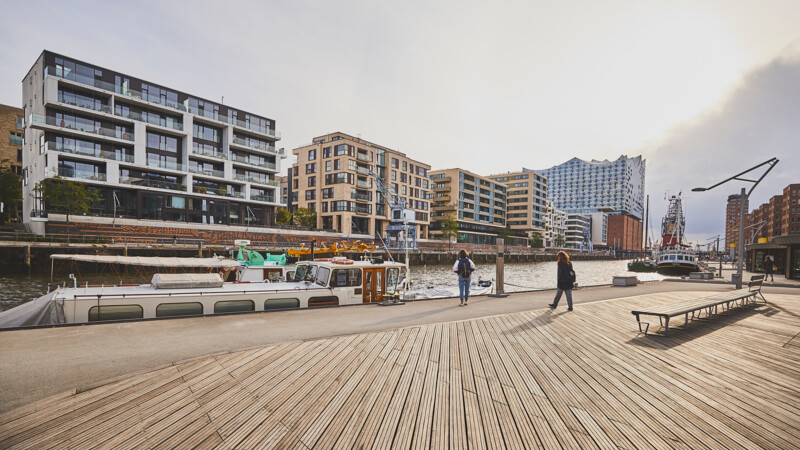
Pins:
x: 675, y: 257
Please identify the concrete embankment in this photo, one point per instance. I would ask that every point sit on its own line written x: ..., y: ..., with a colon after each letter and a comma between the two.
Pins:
x: 34, y: 257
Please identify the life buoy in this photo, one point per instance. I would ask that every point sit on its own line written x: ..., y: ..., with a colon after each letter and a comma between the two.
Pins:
x: 342, y: 261
x: 321, y: 259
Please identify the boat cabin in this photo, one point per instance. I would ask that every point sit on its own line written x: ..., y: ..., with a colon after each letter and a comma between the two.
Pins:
x: 326, y: 282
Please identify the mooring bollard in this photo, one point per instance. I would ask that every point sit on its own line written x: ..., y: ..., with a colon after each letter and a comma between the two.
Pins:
x: 499, y: 262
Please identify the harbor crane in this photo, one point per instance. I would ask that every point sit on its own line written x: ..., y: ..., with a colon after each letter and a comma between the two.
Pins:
x: 401, y: 233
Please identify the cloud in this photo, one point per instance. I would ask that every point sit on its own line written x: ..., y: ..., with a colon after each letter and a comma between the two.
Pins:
x: 757, y: 120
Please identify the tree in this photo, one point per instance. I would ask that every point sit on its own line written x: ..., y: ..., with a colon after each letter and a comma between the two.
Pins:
x: 450, y: 230
x: 559, y: 240
x: 305, y: 217
x: 537, y: 240
x: 283, y: 216
x: 505, y: 234
x: 65, y: 196
x: 10, y: 192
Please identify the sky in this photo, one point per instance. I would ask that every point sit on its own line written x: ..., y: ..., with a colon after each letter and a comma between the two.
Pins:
x: 702, y: 89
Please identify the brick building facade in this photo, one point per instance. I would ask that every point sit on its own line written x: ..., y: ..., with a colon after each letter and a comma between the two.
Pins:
x: 12, y: 129
x: 624, y: 233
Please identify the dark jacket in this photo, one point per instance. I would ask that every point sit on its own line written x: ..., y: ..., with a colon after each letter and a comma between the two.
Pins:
x: 565, y: 280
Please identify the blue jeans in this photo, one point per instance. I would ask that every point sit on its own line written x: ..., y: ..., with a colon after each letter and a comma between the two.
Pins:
x: 558, y: 296
x: 463, y: 288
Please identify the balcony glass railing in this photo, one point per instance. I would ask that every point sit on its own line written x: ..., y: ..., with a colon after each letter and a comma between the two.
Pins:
x: 254, y: 145
x: 163, y: 122
x: 362, y: 170
x: 166, y: 165
x: 361, y: 197
x: 363, y: 184
x: 81, y: 174
x: 254, y: 179
x: 88, y: 105
x: 208, y: 172
x: 107, y: 132
x: 160, y: 184
x: 262, y: 198
x: 363, y: 157
x: 77, y: 150
x: 203, y: 152
x: 260, y: 162
x: 259, y: 129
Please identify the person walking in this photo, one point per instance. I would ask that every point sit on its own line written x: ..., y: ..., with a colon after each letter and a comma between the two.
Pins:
x: 463, y: 268
x: 769, y: 268
x: 566, y: 280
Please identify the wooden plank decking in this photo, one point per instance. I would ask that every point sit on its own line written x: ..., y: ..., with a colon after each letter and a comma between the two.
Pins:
x: 542, y: 379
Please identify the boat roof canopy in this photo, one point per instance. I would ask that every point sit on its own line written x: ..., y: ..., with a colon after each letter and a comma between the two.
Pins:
x: 153, y: 261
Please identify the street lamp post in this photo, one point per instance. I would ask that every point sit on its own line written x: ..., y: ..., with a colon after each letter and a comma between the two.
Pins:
x: 744, y: 196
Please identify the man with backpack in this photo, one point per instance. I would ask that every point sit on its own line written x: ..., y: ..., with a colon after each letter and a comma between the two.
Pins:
x: 463, y: 268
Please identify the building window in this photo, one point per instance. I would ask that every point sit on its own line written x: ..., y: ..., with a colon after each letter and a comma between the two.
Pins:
x: 326, y: 152
x: 20, y: 123
x: 311, y: 194
x: 311, y: 168
x: 312, y: 181
x: 312, y: 155
x: 328, y: 166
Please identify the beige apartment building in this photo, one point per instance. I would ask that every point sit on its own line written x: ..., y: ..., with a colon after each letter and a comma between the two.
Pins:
x: 526, y: 207
x: 332, y: 176
x: 477, y: 203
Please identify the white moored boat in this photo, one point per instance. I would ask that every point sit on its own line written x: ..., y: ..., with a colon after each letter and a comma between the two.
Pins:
x: 322, y: 282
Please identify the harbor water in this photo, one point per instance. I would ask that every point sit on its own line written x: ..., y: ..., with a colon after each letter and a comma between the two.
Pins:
x: 18, y: 289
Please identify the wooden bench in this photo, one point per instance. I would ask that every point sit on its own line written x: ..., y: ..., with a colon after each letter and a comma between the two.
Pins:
x: 710, y: 305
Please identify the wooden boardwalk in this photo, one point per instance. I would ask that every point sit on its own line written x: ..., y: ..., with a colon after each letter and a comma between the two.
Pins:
x: 541, y: 379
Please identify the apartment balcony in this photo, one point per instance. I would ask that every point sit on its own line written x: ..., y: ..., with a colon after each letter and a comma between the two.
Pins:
x: 363, y: 157
x: 253, y: 162
x: 362, y: 211
x: 165, y: 123
x: 361, y: 197
x: 76, y: 150
x: 244, y: 143
x: 263, y: 198
x: 252, y: 179
x: 270, y: 132
x: 80, y: 174
x: 441, y: 189
x: 209, y: 154
x: 363, y: 184
x: 207, y: 172
x: 168, y: 165
x: 84, y: 106
x: 43, y: 123
x: 442, y: 180
x: 362, y: 170
x: 443, y: 208
x: 158, y: 184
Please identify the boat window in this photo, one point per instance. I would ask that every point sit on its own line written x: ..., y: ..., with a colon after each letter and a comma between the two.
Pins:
x: 346, y: 278
x: 328, y: 300
x: 392, y: 279
x: 179, y: 309
x: 322, y: 276
x: 281, y: 303
x: 272, y: 275
x: 115, y: 312
x: 691, y: 258
x: 311, y: 274
x: 299, y: 273
x: 229, y: 306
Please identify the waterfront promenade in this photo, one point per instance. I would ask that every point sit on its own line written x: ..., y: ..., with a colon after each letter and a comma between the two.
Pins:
x: 500, y: 373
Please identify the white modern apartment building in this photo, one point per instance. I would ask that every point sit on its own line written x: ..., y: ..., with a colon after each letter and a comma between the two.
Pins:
x: 555, y: 226
x: 580, y: 187
x: 149, y: 151
x: 579, y: 231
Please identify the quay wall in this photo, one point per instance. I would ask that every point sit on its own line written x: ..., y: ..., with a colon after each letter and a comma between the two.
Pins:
x: 103, y: 236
